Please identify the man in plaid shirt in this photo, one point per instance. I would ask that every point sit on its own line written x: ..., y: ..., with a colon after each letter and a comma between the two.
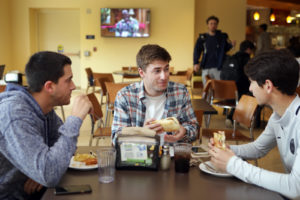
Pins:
x: 155, y: 98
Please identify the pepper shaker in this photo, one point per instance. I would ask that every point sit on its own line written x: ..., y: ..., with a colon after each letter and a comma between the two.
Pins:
x: 165, y: 161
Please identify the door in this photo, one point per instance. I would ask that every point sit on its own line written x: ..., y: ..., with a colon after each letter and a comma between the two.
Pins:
x: 58, y: 29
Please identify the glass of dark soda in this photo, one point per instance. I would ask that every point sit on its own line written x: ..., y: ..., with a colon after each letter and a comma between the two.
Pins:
x: 182, y: 157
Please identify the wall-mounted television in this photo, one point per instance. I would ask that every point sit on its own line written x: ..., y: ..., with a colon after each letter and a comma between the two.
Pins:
x: 125, y: 22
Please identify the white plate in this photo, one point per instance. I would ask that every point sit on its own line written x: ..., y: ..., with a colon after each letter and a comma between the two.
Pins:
x: 81, y: 165
x: 207, y: 170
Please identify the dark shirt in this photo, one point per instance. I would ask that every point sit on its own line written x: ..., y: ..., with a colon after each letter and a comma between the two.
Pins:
x: 218, y: 44
x: 212, y: 57
x: 243, y: 82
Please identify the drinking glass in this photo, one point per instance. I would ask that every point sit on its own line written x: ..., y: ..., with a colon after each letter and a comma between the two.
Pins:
x: 106, y: 164
x: 182, y: 157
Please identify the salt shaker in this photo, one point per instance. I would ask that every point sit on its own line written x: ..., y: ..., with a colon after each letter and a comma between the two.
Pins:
x: 165, y: 160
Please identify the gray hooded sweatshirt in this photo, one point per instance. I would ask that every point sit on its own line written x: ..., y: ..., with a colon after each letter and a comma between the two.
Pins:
x: 32, y: 144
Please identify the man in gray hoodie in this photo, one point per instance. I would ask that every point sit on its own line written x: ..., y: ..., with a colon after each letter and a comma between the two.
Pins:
x: 35, y: 145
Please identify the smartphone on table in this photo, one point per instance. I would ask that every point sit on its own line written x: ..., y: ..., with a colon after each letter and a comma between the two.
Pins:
x: 198, y: 150
x: 72, y: 189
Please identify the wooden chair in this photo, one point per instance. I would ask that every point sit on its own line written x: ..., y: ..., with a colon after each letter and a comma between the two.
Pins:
x: 221, y: 93
x: 100, y: 79
x: 243, y: 114
x: 112, y: 90
x: 91, y: 81
x: 224, y: 93
x: 98, y: 130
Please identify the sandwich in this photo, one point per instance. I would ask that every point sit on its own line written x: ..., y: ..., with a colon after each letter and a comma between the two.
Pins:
x: 219, y: 139
x: 169, y: 124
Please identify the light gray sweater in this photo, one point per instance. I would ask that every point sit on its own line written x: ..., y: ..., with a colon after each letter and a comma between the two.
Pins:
x: 32, y: 144
x: 285, y: 133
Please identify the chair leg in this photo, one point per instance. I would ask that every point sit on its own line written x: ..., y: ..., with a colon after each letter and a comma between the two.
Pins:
x: 106, y: 117
x: 207, y: 120
x: 107, y: 122
x: 91, y: 140
x: 101, y: 99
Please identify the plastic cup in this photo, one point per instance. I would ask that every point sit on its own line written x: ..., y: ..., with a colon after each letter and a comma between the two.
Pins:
x: 182, y: 152
x: 106, y: 164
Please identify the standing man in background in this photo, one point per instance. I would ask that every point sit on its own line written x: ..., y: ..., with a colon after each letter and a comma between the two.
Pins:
x: 263, y: 40
x: 214, y: 44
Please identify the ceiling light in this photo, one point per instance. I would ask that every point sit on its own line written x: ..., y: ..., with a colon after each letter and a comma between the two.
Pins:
x: 256, y: 16
x: 272, y: 17
x: 289, y: 19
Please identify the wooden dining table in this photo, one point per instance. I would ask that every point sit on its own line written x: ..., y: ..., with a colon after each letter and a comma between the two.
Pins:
x: 208, y: 110
x: 159, y: 185
x: 131, y: 73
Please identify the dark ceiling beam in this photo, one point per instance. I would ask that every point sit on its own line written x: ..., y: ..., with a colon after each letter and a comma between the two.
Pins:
x: 276, y: 4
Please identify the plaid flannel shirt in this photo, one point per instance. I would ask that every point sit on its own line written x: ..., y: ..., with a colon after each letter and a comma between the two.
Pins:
x: 130, y: 109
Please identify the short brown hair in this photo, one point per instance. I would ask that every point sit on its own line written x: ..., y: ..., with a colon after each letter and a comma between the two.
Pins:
x: 149, y: 53
x: 212, y: 18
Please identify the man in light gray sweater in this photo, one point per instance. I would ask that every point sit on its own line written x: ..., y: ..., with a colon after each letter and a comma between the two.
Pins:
x: 35, y: 145
x: 273, y: 80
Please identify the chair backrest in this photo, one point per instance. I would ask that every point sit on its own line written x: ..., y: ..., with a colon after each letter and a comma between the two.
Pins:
x: 109, y: 76
x: 207, y: 77
x: 90, y: 77
x: 206, y: 94
x: 97, y: 114
x: 245, y: 109
x: 101, y: 82
x: 113, y: 89
x: 224, y: 89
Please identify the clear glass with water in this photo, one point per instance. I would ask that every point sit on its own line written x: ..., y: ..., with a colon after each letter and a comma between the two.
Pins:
x: 106, y: 164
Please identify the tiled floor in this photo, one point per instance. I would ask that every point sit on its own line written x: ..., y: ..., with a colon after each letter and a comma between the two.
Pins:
x: 271, y: 161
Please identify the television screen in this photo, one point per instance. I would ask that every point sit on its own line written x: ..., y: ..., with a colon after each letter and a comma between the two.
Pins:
x: 125, y: 22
